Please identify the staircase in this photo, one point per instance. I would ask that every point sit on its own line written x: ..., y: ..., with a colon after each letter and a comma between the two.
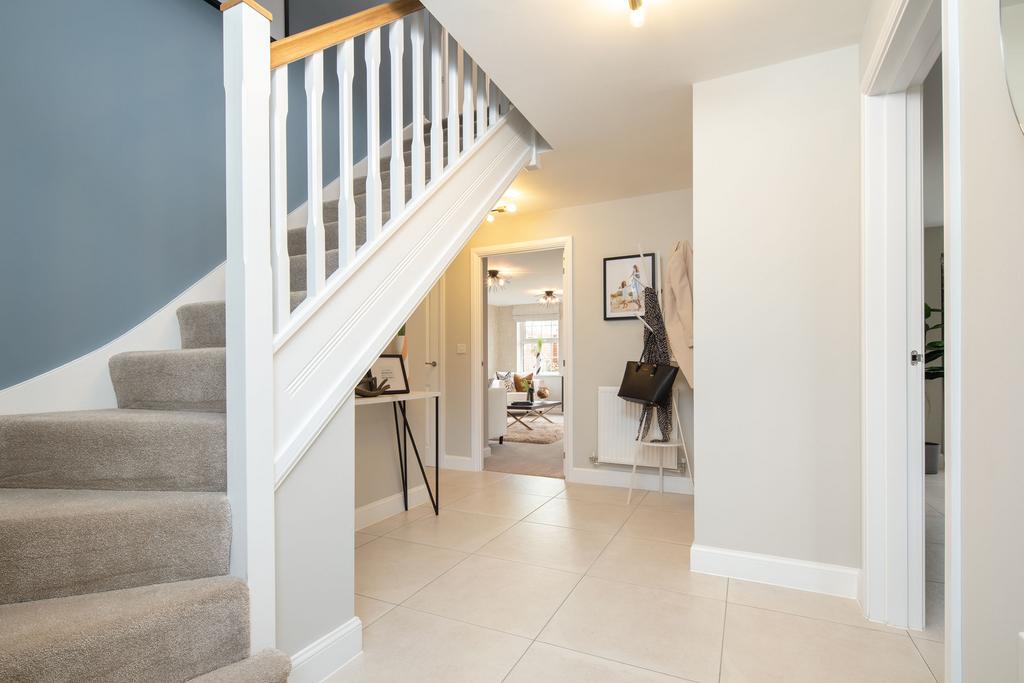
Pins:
x: 138, y: 543
x: 115, y: 529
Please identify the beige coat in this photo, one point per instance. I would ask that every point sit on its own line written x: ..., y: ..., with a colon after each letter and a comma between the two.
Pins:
x: 679, y: 307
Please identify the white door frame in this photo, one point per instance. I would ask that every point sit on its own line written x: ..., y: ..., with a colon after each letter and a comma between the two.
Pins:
x: 477, y: 358
x: 892, y: 581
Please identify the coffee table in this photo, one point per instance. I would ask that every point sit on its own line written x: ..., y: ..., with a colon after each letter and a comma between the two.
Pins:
x: 536, y: 410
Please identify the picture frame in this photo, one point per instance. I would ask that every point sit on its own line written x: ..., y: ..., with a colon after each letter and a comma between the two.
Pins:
x: 624, y: 280
x: 390, y: 367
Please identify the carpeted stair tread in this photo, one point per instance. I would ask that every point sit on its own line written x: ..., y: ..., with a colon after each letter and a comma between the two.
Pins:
x: 146, y: 450
x: 59, y: 542
x: 185, y: 379
x: 201, y: 324
x: 267, y: 666
x: 166, y: 632
x: 331, y: 206
x: 297, y: 268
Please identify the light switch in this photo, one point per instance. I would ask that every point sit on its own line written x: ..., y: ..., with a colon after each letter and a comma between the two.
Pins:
x: 460, y: 349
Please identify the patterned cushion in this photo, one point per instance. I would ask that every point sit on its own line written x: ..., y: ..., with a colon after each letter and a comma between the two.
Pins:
x: 521, y: 381
x: 506, y: 380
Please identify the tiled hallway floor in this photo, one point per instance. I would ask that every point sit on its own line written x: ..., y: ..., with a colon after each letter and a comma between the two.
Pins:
x: 522, y: 579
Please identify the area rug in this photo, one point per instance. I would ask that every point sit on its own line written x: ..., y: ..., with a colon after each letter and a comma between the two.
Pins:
x: 542, y: 435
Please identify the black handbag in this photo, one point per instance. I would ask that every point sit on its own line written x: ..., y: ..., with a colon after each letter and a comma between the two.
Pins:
x: 647, y: 383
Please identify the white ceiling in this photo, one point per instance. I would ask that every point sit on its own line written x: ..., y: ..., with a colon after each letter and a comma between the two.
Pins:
x: 615, y: 101
x: 528, y: 274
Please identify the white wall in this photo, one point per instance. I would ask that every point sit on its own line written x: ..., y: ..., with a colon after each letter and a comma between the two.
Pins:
x: 502, y: 339
x: 777, y: 334
x: 654, y: 222
x: 993, y: 370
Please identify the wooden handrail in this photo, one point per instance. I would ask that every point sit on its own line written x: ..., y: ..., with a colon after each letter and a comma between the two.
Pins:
x: 228, y: 4
x: 300, y: 45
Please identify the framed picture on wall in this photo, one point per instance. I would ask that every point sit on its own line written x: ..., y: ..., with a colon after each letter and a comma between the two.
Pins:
x: 390, y: 368
x: 625, y: 278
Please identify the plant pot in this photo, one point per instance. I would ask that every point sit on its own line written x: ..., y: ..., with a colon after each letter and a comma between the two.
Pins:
x: 931, y: 457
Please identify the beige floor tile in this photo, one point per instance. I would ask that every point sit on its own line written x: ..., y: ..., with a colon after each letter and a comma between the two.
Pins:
x: 369, y: 610
x: 660, y: 524
x: 934, y: 655
x: 510, y: 504
x: 395, y: 521
x: 538, y: 486
x: 935, y: 561
x: 579, y: 514
x: 453, y: 529
x: 409, y: 646
x: 546, y: 545
x: 672, y: 501
x: 654, y: 629
x: 363, y: 539
x: 655, y: 564
x: 391, y: 570
x: 934, y: 612
x: 610, y: 495
x: 464, y: 478
x: 544, y: 662
x: 761, y: 645
x: 507, y: 596
x: 802, y: 603
x: 453, y: 493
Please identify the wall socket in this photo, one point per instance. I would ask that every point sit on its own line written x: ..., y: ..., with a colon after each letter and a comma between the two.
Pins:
x: 460, y: 349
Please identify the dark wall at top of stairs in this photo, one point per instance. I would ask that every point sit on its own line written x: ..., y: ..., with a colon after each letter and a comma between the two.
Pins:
x: 112, y: 171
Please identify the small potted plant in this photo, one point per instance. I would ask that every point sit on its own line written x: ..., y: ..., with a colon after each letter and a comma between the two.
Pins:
x: 933, y: 369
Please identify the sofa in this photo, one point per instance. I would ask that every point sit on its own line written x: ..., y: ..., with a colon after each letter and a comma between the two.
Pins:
x: 497, y: 417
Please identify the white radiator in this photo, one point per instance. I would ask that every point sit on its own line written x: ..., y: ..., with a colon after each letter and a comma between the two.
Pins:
x: 617, y: 422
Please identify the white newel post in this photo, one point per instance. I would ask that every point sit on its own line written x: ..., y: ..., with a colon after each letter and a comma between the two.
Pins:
x: 249, y: 295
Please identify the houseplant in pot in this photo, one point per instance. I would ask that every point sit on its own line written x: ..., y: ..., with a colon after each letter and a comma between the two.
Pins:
x: 933, y: 370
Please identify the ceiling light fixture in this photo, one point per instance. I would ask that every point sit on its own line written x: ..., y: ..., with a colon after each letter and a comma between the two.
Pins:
x: 504, y: 207
x: 636, y: 13
x: 495, y: 283
x: 548, y: 298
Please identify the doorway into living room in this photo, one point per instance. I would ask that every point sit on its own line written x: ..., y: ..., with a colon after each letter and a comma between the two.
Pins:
x: 525, y: 396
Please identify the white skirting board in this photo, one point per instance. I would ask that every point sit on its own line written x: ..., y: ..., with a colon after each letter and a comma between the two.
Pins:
x: 379, y: 510
x: 605, y: 476
x: 458, y: 462
x: 319, y: 660
x: 817, y: 577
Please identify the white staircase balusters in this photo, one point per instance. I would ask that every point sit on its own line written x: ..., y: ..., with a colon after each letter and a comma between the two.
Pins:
x: 438, y: 44
x: 480, y: 84
x: 419, y: 167
x: 468, y: 83
x: 346, y: 191
x: 316, y: 251
x: 373, y: 185
x: 492, y: 104
x: 280, y: 267
x: 454, y: 92
x: 396, y: 40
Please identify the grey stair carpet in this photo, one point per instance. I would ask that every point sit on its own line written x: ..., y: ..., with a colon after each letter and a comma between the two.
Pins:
x: 164, y: 632
x: 144, y: 450
x: 202, y: 324
x: 268, y: 666
x: 57, y: 542
x: 186, y: 379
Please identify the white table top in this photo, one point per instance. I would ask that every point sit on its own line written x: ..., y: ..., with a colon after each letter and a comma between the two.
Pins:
x: 396, y: 398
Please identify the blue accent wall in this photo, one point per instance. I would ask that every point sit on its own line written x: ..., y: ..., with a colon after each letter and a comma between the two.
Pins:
x: 112, y: 171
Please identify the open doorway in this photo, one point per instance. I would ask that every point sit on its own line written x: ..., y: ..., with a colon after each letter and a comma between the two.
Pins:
x: 525, y: 385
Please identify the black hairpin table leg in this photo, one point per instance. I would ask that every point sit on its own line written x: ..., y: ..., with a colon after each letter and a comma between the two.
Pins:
x: 402, y: 454
x: 433, y: 500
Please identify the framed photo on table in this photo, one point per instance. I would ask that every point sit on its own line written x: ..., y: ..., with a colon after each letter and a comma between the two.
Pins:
x: 625, y: 278
x: 390, y: 368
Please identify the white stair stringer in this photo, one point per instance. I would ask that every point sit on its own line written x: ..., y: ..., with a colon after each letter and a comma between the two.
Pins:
x: 327, y: 347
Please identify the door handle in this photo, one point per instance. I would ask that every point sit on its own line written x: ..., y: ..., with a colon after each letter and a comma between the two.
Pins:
x: 431, y: 363
x: 916, y: 357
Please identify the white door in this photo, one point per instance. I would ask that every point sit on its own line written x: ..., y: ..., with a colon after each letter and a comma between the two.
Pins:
x: 433, y: 374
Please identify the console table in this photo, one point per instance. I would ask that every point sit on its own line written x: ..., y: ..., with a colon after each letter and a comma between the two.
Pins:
x: 404, y: 436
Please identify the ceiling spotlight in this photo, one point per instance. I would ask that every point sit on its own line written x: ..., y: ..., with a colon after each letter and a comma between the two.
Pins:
x: 490, y: 218
x: 548, y: 298
x: 495, y: 283
x: 636, y: 13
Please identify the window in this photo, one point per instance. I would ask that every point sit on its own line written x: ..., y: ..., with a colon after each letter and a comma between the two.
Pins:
x: 534, y: 336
